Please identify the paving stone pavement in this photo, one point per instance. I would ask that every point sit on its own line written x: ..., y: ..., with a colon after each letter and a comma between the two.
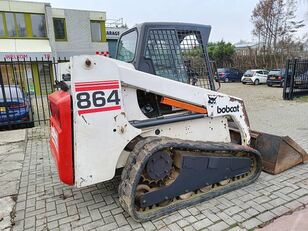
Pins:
x: 12, y: 153
x: 44, y: 203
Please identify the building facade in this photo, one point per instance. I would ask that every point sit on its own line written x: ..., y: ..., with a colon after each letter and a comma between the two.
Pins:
x: 32, y: 29
x: 23, y: 30
x: 245, y: 48
x: 36, y: 33
x: 76, y: 32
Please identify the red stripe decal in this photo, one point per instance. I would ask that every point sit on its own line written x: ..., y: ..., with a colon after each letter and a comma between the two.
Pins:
x: 97, y: 82
x: 101, y: 109
x: 92, y: 88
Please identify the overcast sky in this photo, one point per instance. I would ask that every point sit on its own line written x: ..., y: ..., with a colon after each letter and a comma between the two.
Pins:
x: 230, y: 19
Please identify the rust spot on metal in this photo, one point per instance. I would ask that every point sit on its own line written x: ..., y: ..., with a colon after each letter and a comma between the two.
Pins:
x: 122, y: 129
x: 122, y: 113
x: 278, y: 153
x: 241, y: 102
x: 82, y: 180
x: 85, y: 120
x: 88, y: 62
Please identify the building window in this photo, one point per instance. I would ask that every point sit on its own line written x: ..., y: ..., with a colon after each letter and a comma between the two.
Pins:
x: 10, y: 24
x: 59, y: 27
x: 2, y: 29
x: 22, y: 25
x: 98, y: 31
x: 38, y: 25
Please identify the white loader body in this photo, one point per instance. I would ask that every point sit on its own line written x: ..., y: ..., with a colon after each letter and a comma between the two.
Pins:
x: 105, y: 105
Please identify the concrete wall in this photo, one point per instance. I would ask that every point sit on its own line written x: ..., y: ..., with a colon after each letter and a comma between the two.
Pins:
x: 19, y: 6
x: 78, y: 31
x: 11, y: 48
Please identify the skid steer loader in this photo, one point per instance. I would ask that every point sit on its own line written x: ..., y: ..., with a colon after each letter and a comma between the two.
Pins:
x: 153, y: 112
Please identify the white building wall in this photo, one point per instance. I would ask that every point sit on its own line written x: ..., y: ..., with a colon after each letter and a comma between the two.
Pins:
x: 24, y: 48
x: 25, y: 7
x: 78, y: 31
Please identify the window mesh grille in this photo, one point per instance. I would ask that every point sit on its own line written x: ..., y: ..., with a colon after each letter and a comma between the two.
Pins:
x: 178, y: 55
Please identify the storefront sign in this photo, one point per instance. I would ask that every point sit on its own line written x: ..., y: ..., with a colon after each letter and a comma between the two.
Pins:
x: 114, y: 33
x: 25, y: 56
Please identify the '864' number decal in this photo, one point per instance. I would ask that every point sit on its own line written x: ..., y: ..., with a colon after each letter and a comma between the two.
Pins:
x: 97, y: 96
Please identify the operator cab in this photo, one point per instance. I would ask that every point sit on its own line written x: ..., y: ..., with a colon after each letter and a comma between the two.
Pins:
x: 176, y: 51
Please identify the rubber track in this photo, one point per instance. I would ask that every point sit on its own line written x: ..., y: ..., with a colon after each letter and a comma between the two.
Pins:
x: 145, y: 148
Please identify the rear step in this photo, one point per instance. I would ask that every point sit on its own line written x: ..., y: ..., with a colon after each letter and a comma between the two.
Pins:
x: 279, y: 153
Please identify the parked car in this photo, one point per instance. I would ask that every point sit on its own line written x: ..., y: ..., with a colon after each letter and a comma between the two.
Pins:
x: 255, y: 76
x: 16, y: 110
x: 301, y: 81
x: 276, y: 77
x: 228, y: 75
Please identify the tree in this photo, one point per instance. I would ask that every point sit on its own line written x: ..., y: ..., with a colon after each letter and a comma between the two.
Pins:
x: 221, y: 53
x: 274, y: 26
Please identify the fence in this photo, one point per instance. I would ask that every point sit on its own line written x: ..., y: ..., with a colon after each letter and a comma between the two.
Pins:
x: 24, y: 88
x: 296, y: 79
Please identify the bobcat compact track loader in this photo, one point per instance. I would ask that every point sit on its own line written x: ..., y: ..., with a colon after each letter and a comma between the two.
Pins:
x: 155, y: 113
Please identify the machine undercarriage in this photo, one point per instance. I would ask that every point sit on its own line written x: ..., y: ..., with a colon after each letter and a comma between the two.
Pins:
x: 164, y: 174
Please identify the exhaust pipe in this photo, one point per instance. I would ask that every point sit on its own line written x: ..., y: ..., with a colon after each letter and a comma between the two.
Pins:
x: 279, y: 153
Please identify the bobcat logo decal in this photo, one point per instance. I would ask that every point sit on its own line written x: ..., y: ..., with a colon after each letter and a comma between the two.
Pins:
x: 212, y: 99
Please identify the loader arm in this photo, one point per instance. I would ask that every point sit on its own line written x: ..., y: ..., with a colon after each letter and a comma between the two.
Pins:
x: 217, y: 104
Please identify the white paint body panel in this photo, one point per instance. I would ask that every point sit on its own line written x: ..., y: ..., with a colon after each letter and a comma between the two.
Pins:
x: 100, y: 137
x: 204, y: 129
x: 96, y: 146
